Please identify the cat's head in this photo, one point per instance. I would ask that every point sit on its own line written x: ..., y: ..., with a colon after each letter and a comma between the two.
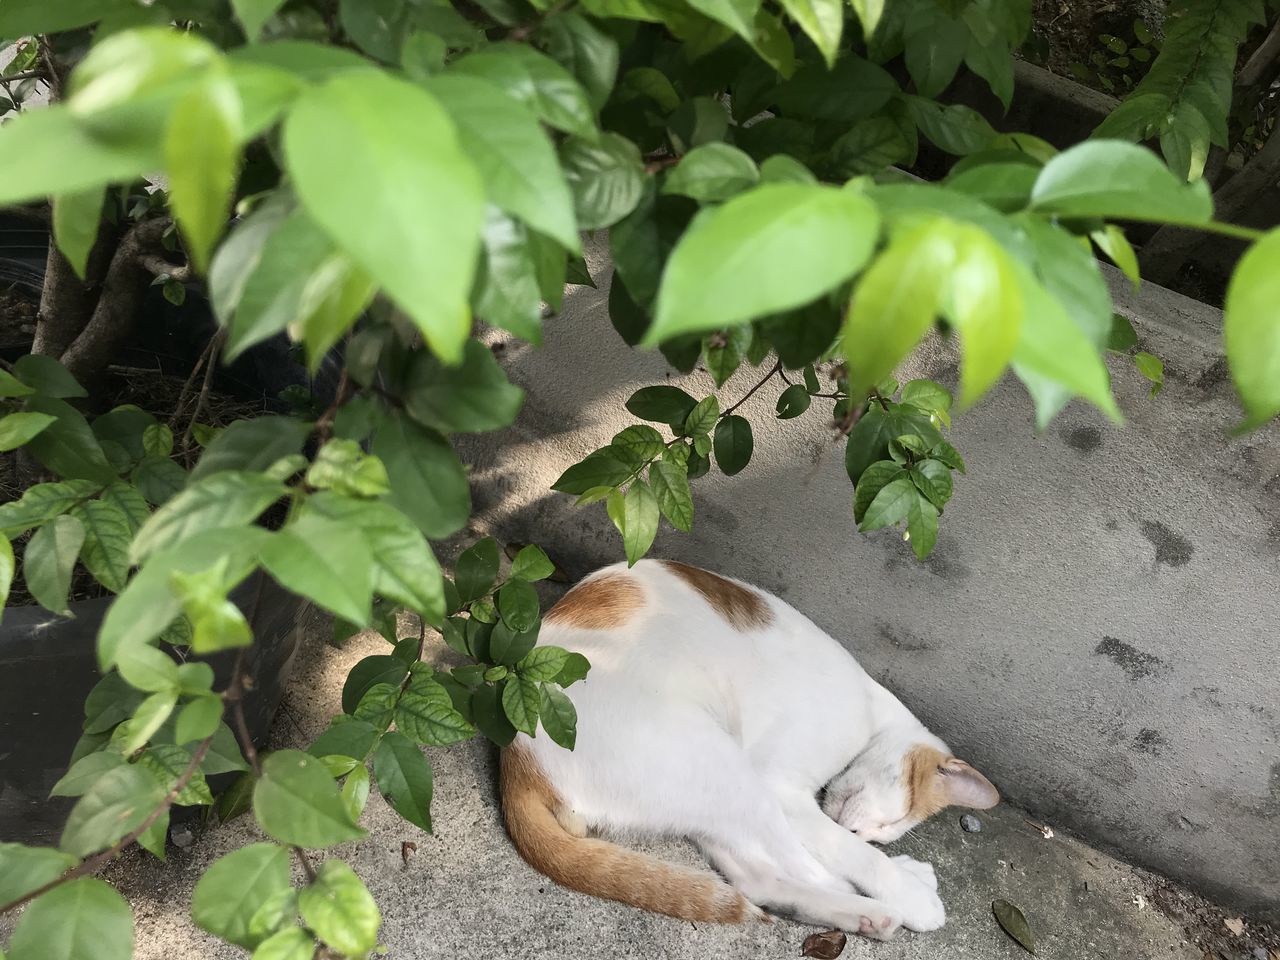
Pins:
x: 887, y: 790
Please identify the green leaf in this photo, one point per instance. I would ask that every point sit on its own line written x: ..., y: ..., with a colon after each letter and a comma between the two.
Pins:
x: 605, y: 176
x: 702, y: 417
x: 404, y: 778
x: 345, y: 736
x: 147, y: 668
x: 375, y: 708
x: 77, y: 781
x: 543, y: 663
x: 871, y: 481
x: 328, y: 562
x: 508, y: 645
x: 146, y: 720
x: 476, y: 570
x: 635, y: 514
x: 216, y: 622
x: 114, y: 806
x: 291, y: 943
x: 1013, y: 923
x: 670, y: 485
x: 159, y: 479
x: 1185, y: 141
x: 869, y: 12
x: 108, y: 531
x: 233, y: 888
x: 296, y: 801
x: 984, y: 302
x: 895, y: 302
x: 426, y: 715
x: 1104, y: 178
x: 733, y: 444
x: 928, y: 396
x: 253, y: 15
x: 67, y: 446
x: 793, y: 401
x: 167, y: 763
x: 22, y: 18
x: 954, y: 129
x: 339, y: 909
x: 48, y: 560
x: 933, y: 479
x: 890, y: 505
x: 922, y: 525
x: 822, y: 21
x: 251, y: 445
x: 518, y: 604
x: 935, y: 47
x: 198, y: 719
x: 508, y: 290
x: 532, y: 563
x: 1151, y: 367
x: 85, y: 919
x: 341, y: 466
x: 600, y: 469
x: 585, y: 50
x: 24, y: 869
x: 512, y: 154
x: 201, y: 150
x: 1112, y: 241
x: 535, y: 80
x: 559, y: 718
x: 520, y: 702
x: 75, y: 225
x: 1251, y: 332
x: 661, y: 404
x: 355, y: 790
x: 230, y: 498
x: 575, y: 668
x: 488, y: 715
x: 711, y: 173
x: 472, y: 397
x: 771, y: 249
x: 11, y: 386
x: 360, y: 198
x: 428, y: 483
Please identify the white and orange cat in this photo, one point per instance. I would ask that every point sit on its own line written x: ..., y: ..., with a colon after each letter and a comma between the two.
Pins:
x: 715, y: 711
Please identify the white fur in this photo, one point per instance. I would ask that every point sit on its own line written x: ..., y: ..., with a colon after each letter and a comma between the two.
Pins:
x: 689, y: 727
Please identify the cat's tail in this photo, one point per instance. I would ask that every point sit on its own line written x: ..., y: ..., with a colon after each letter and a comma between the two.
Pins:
x: 536, y: 820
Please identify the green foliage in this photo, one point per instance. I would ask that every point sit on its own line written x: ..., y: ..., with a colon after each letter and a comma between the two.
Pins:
x: 400, y: 170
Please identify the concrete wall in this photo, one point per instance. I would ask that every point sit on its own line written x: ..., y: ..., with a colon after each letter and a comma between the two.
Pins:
x: 1097, y: 627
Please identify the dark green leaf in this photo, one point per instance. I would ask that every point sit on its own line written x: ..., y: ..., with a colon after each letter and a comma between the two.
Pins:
x: 532, y: 563
x: 167, y: 763
x: 702, y: 417
x: 670, y: 484
x: 518, y: 604
x: 381, y: 668
x: 890, y: 505
x: 47, y: 377
x: 922, y: 525
x: 426, y: 715
x: 428, y: 483
x: 543, y: 663
x: 637, y: 521
x: 559, y: 718
x: 346, y: 737
x: 935, y: 47
x: 733, y: 444
x: 476, y: 570
x: 296, y: 801
x: 1013, y: 923
x: 507, y: 645
x: 955, y: 129
x: 488, y: 715
x: 600, y: 469
x: 159, y: 479
x: 108, y: 531
x: 404, y: 778
x: 933, y: 479
x: 871, y: 481
x: 661, y: 404
x: 711, y: 173
x: 471, y: 397
x: 68, y: 446
x: 536, y: 80
x: 793, y: 401
x: 585, y: 50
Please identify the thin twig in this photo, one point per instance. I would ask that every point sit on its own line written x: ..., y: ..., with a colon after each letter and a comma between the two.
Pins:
x: 235, y: 696
x: 762, y: 381
x: 86, y: 867
x: 324, y: 426
x: 215, y: 344
x: 25, y: 75
x: 55, y: 81
x: 184, y: 395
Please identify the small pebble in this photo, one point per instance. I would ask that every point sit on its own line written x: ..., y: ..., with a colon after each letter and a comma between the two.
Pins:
x: 970, y: 824
x: 1260, y: 953
x: 182, y: 836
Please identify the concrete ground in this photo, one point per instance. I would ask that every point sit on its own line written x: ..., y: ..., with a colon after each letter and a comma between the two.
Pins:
x: 465, y: 893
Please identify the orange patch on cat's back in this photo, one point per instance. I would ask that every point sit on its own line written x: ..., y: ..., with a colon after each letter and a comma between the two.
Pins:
x: 926, y: 794
x: 604, y: 602
x: 742, y: 608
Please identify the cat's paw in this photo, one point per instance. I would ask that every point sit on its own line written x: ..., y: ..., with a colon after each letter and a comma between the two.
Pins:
x: 877, y: 923
x: 921, y: 908
x: 919, y: 869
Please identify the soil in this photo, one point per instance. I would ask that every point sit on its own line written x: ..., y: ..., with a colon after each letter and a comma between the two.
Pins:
x: 1067, y: 31
x: 1206, y: 924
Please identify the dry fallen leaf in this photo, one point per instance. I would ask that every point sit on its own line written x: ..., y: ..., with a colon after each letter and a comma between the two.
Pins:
x: 1235, y: 925
x: 1014, y: 924
x: 407, y: 847
x: 824, y: 946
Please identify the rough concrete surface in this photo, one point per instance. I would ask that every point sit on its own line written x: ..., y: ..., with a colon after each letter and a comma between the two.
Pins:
x: 1096, y: 627
x: 466, y: 893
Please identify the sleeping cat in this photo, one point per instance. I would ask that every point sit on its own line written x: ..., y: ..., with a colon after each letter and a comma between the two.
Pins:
x: 715, y: 711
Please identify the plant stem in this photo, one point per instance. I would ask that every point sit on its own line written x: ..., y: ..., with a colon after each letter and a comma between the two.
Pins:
x: 215, y: 345
x: 86, y: 867
x: 776, y: 368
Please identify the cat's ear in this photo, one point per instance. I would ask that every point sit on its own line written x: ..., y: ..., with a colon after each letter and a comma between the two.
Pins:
x: 964, y: 786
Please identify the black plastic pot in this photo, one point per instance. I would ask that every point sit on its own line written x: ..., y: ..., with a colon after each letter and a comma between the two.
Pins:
x: 48, y: 667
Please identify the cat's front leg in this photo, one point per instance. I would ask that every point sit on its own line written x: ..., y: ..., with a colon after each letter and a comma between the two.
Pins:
x: 909, y: 888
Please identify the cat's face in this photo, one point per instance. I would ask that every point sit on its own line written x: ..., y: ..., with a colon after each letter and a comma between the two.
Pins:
x: 881, y: 796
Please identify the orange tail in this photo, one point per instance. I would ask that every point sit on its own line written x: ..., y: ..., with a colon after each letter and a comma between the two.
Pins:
x: 531, y: 806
